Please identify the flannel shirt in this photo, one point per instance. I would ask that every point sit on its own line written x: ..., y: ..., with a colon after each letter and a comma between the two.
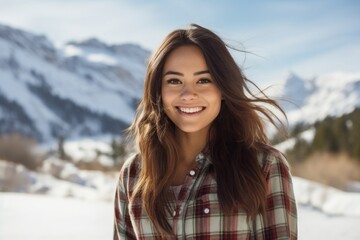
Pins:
x: 197, y: 213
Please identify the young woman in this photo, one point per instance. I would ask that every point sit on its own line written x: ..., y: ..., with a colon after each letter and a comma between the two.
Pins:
x: 204, y: 169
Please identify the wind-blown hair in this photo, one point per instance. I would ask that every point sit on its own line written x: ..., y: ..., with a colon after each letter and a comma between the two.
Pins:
x: 235, y: 137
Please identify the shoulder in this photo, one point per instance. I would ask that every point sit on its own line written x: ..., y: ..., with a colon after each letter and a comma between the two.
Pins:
x: 277, y: 174
x: 131, y: 164
x: 129, y: 172
x: 272, y: 161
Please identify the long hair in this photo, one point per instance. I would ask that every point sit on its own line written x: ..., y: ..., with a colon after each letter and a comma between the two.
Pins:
x: 235, y: 137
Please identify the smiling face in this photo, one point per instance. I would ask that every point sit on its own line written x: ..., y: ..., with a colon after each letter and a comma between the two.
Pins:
x: 190, y: 97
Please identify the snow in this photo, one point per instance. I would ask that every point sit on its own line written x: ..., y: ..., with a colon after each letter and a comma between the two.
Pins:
x: 57, y: 178
x: 97, y: 52
x: 307, y: 135
x: 36, y: 217
x: 325, y: 212
x: 71, y: 51
x: 327, y: 199
x: 285, y: 145
x: 88, y: 150
x: 15, y: 90
x: 317, y: 225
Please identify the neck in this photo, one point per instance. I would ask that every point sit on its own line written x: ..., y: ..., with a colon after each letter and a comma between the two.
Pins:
x: 191, y: 144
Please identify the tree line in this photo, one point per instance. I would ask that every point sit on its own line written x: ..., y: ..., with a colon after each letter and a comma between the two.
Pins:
x: 333, y: 135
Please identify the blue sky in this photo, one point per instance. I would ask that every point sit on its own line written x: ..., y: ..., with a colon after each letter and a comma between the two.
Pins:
x: 305, y: 37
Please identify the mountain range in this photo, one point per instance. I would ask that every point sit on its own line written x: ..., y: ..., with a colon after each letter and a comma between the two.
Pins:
x: 90, y: 88
x: 82, y: 88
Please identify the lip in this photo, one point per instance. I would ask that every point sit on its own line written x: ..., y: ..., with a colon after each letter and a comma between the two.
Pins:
x: 193, y: 110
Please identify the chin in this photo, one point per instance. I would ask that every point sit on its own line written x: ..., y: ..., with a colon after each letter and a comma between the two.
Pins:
x: 193, y: 129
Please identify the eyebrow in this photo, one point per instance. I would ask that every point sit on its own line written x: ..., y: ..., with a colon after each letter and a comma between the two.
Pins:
x: 180, y: 74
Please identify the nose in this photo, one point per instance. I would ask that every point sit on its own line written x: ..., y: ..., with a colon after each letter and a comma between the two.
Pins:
x: 188, y: 93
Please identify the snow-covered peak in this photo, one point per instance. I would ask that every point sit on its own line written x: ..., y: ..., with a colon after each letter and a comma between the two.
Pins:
x: 311, y: 100
x: 32, y: 43
x: 94, y: 47
x: 90, y: 54
x: 114, y: 62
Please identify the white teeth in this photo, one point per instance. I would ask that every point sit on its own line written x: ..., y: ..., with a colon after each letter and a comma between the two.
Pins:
x: 191, y: 110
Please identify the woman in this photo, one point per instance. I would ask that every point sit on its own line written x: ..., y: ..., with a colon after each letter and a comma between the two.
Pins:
x: 204, y: 169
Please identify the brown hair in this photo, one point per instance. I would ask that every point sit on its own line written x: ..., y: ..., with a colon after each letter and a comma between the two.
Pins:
x: 235, y: 137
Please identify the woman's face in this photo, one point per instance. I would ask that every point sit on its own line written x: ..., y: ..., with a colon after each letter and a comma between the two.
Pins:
x: 191, y: 99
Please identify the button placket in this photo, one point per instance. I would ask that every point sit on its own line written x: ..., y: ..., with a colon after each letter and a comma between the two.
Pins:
x: 181, y: 200
x: 196, y: 176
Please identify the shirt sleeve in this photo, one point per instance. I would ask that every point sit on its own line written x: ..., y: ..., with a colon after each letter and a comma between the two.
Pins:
x: 122, y: 223
x: 280, y: 220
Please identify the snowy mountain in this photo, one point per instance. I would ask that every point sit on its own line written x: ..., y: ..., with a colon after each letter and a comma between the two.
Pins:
x: 80, y: 89
x: 91, y: 88
x: 311, y: 100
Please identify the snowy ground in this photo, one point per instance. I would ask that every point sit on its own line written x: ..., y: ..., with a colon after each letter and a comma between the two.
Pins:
x: 315, y: 225
x: 38, y: 217
x: 324, y: 213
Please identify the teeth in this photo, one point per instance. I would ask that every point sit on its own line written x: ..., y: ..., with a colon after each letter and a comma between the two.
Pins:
x: 191, y: 110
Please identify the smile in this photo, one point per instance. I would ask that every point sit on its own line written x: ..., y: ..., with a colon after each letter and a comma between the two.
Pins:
x: 190, y: 110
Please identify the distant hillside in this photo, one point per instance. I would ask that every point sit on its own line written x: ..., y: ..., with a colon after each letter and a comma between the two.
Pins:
x: 323, y: 114
x: 333, y: 135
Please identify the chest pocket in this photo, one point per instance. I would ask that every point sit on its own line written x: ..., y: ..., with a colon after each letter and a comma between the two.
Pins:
x: 207, y: 205
x: 204, y: 216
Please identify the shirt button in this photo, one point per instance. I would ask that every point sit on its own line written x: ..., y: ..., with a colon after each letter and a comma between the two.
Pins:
x: 192, y: 172
x: 206, y: 210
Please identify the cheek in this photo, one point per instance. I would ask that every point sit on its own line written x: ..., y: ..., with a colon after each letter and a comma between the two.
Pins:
x: 217, y: 102
x: 215, y: 97
x: 166, y: 97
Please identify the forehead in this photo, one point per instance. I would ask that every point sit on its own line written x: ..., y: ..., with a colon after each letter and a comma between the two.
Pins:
x: 188, y: 57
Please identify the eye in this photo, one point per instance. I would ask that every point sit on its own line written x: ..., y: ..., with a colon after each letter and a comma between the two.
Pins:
x: 204, y: 80
x: 173, y: 81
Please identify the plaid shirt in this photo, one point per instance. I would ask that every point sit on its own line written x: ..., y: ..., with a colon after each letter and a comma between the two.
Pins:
x: 197, y: 213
